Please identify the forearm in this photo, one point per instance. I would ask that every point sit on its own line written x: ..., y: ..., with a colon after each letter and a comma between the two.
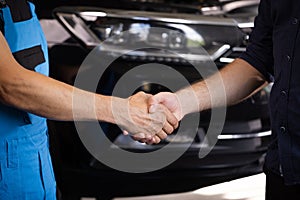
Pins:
x: 44, y: 96
x: 41, y: 95
x: 237, y: 81
x: 49, y: 98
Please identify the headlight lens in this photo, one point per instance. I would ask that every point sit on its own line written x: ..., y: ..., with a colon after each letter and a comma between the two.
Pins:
x: 178, y: 35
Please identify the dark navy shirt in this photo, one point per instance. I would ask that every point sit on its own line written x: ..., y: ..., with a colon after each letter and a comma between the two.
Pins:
x: 274, y: 50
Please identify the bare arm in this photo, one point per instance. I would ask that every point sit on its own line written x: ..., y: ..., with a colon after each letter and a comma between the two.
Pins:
x: 234, y: 83
x: 237, y: 81
x: 39, y: 94
x: 44, y: 96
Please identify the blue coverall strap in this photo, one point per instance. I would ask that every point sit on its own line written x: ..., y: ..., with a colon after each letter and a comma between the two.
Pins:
x: 20, y: 10
x: 27, y: 42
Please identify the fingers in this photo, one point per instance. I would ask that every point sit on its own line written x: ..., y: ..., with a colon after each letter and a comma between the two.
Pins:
x: 125, y: 132
x: 142, y: 136
x: 153, y: 140
x: 171, y: 119
x: 168, y: 128
x: 162, y: 135
x: 150, y: 140
x: 157, y: 138
x: 144, y: 140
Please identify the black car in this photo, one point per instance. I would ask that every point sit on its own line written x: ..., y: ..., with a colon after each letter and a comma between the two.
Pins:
x: 220, y: 27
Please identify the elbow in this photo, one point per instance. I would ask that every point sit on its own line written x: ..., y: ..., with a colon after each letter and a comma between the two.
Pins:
x: 6, y: 96
x: 10, y: 89
x: 13, y: 79
x: 12, y: 83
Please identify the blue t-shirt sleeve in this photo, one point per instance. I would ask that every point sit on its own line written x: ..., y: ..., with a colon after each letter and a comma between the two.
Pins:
x: 259, y: 52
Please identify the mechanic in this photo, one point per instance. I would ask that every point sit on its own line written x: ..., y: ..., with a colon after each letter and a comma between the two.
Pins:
x: 272, y: 55
x: 28, y: 97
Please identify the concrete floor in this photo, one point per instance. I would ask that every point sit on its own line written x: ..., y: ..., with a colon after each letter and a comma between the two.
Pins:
x: 249, y: 188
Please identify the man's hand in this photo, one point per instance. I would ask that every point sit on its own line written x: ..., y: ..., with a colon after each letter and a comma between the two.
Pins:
x: 136, y: 119
x: 171, y: 102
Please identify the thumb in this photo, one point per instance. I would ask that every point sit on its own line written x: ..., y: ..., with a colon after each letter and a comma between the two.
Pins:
x: 158, y: 98
x: 155, y: 100
x: 153, y: 108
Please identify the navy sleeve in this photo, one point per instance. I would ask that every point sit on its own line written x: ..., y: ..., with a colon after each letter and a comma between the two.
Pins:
x: 259, y: 52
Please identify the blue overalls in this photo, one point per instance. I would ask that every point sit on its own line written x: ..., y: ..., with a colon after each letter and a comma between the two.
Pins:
x: 25, y: 165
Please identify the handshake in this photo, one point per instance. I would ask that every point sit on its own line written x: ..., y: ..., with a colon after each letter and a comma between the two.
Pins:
x: 149, y: 118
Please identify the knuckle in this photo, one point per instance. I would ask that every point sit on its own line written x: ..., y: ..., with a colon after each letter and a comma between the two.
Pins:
x: 162, y: 135
x: 141, y: 93
x: 168, y: 128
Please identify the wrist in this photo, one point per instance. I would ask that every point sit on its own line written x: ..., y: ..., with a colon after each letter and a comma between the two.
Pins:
x: 108, y: 107
x: 189, y: 102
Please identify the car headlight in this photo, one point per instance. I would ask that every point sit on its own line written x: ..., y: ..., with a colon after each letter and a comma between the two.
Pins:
x: 183, y: 34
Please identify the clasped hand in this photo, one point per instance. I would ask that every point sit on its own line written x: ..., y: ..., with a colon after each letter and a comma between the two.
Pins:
x: 149, y: 118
